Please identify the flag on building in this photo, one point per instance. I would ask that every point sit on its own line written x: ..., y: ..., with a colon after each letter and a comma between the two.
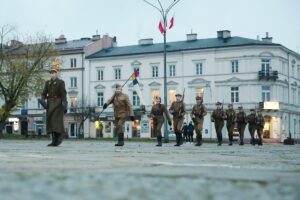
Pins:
x: 171, y: 22
x: 161, y: 27
x: 136, y: 86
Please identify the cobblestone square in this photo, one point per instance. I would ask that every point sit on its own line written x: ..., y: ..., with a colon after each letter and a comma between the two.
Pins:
x: 93, y: 169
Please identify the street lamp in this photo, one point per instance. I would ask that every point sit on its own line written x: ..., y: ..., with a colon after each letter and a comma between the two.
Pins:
x: 164, y: 13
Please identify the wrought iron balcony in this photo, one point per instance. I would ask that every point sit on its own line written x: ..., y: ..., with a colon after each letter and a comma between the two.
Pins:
x: 268, y: 75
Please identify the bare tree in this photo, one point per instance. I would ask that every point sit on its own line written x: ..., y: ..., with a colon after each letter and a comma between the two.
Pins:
x: 21, y: 68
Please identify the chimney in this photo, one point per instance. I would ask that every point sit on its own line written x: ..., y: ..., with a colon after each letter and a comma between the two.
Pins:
x: 95, y: 37
x: 60, y: 40
x: 191, y: 36
x: 267, y: 38
x: 115, y: 43
x: 223, y: 34
x: 147, y: 41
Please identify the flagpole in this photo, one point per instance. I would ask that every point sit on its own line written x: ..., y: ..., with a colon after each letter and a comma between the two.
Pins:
x: 164, y: 13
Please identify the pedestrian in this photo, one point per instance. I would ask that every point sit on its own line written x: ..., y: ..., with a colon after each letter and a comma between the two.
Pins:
x: 218, y: 117
x: 230, y: 122
x: 157, y: 114
x: 197, y: 115
x: 241, y: 120
x: 191, y: 132
x: 177, y: 109
x: 260, y: 122
x: 122, y: 109
x: 185, y: 132
x: 251, y: 119
x: 55, y: 102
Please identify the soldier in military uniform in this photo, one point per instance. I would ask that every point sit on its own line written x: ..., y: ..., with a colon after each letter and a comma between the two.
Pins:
x: 177, y: 109
x: 260, y: 122
x: 197, y: 115
x: 122, y: 109
x: 157, y: 114
x: 218, y: 117
x: 230, y: 122
x: 252, y: 125
x: 241, y: 120
x: 55, y: 102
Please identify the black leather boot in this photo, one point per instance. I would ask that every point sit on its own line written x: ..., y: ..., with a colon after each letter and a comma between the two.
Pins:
x: 159, y: 143
x: 177, y: 140
x: 199, y: 140
x: 58, y: 139
x: 53, y: 140
x: 120, y: 140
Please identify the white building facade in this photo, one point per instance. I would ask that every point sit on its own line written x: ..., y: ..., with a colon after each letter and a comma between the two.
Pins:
x: 227, y: 69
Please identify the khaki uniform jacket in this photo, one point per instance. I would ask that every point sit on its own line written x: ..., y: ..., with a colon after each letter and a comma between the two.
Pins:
x: 158, y: 111
x: 122, y: 105
x: 241, y: 117
x: 218, y: 116
x: 260, y: 122
x: 230, y: 116
x: 177, y: 109
x: 198, y: 112
x: 55, y: 93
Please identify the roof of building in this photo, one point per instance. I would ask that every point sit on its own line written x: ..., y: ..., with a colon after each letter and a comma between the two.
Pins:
x: 73, y: 44
x: 178, y: 46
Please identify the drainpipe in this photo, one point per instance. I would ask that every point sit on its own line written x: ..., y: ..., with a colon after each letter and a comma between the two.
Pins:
x: 289, y: 113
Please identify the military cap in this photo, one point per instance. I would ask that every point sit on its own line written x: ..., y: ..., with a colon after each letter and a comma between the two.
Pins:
x: 178, y: 95
x: 218, y: 103
x: 118, y: 85
x: 199, y: 98
x: 240, y: 107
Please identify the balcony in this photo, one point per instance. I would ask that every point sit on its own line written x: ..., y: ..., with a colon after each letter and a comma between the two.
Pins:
x: 268, y: 75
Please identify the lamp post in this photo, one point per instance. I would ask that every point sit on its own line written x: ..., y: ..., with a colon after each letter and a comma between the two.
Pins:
x: 164, y: 13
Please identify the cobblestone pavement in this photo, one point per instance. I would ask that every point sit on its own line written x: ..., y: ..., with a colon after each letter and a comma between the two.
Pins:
x: 96, y: 169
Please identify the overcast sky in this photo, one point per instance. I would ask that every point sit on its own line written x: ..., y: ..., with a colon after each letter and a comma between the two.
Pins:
x: 131, y: 20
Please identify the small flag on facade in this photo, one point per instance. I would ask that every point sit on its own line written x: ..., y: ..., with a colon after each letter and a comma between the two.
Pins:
x: 136, y: 86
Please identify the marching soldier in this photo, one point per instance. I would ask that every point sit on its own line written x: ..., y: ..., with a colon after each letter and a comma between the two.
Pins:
x: 218, y: 117
x: 197, y: 115
x: 241, y: 120
x: 177, y: 109
x: 122, y: 109
x: 230, y: 122
x: 157, y: 114
x: 252, y: 125
x: 55, y: 102
x: 260, y: 122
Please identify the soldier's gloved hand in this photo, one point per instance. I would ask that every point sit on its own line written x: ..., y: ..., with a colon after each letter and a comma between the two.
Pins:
x: 65, y: 105
x: 170, y: 123
x: 132, y: 118
x: 105, y: 106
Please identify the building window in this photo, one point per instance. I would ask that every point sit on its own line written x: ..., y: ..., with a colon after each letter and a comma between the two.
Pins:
x: 117, y: 73
x: 73, y: 105
x: 234, y: 66
x: 299, y: 97
x: 135, y: 99
x: 172, y: 97
x: 100, y: 99
x: 100, y: 74
x: 137, y: 68
x: 39, y: 105
x: 154, y: 94
x: 298, y: 72
x: 265, y: 65
x: 265, y: 93
x: 73, y: 62
x: 154, y: 71
x: 172, y: 70
x: 199, y: 69
x: 73, y: 82
x: 199, y: 92
x: 293, y: 96
x: 234, y: 94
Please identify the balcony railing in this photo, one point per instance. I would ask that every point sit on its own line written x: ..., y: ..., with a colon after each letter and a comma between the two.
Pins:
x: 267, y: 75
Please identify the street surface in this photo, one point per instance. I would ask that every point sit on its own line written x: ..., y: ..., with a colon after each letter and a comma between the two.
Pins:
x: 95, y: 169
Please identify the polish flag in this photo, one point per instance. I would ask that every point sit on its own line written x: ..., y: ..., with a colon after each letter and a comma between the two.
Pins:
x: 171, y: 22
x: 161, y: 27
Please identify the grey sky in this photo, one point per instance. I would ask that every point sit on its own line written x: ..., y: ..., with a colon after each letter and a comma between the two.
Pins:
x: 131, y: 20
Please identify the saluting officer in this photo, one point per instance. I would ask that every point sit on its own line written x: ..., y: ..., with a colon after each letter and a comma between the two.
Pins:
x: 241, y: 120
x: 55, y: 102
x: 177, y: 109
x: 122, y: 109
x: 197, y: 115
x: 260, y: 122
x: 230, y: 122
x: 218, y: 117
x: 251, y: 118
x: 157, y: 114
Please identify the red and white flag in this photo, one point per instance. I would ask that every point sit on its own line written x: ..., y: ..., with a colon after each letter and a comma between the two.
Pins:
x: 171, y: 22
x: 161, y: 27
